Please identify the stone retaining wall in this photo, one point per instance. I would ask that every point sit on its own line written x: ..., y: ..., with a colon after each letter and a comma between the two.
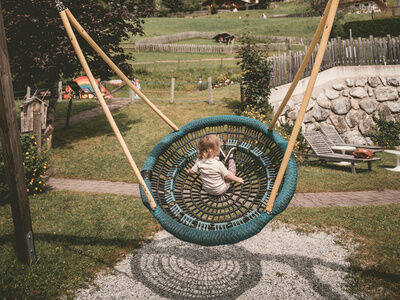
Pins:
x: 348, y: 104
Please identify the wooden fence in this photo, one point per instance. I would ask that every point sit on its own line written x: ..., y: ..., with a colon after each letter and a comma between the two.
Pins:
x: 351, y: 52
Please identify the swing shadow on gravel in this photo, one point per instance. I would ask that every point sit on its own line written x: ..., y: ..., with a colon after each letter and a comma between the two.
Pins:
x: 178, y: 270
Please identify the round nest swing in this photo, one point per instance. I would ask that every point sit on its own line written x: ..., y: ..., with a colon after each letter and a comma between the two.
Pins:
x: 191, y: 214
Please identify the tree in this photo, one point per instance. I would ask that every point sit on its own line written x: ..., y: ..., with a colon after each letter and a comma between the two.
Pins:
x: 40, y: 51
x: 256, y: 75
x: 264, y: 3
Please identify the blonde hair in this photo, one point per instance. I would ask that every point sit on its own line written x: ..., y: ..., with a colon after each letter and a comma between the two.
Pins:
x: 207, y: 146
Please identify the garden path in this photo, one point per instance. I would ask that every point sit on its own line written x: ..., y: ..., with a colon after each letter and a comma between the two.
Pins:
x: 87, y: 114
x: 325, y: 199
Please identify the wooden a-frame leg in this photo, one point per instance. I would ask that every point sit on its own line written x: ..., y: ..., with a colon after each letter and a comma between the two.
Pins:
x: 106, y: 110
x: 120, y: 74
x: 303, y: 65
x: 304, y: 104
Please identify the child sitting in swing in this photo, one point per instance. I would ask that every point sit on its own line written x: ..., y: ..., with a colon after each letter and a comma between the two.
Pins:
x: 215, y: 176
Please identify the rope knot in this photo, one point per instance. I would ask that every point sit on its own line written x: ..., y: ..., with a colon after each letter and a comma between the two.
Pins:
x: 60, y: 6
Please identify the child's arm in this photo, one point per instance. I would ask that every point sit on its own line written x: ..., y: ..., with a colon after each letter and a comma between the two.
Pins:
x: 190, y: 171
x: 232, y: 177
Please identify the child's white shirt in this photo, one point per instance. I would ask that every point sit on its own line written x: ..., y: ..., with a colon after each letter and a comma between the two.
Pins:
x: 212, y: 173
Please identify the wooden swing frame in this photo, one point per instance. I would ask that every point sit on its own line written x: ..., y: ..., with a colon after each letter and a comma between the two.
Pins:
x: 324, y: 28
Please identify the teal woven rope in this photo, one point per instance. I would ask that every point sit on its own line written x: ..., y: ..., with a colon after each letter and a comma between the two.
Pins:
x: 234, y: 234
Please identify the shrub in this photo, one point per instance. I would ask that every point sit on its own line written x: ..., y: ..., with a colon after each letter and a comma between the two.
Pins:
x: 387, y: 133
x: 214, y: 10
x: 376, y: 27
x: 256, y: 75
x: 35, y: 166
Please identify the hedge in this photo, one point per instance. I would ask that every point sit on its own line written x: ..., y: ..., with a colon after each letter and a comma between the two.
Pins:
x: 376, y: 27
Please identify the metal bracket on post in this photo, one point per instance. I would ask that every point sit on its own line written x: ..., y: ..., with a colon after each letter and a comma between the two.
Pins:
x: 60, y: 6
x: 31, y: 247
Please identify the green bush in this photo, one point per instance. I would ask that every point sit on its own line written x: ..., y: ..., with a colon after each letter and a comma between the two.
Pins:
x: 35, y: 166
x: 387, y: 133
x: 376, y: 27
x: 213, y: 10
x: 256, y: 74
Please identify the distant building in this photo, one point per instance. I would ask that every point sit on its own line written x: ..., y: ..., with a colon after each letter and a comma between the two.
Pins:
x: 229, y: 3
x: 362, y: 5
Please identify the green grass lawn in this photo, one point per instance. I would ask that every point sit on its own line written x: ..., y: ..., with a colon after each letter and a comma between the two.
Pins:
x: 89, y: 150
x: 79, y: 234
x: 76, y: 235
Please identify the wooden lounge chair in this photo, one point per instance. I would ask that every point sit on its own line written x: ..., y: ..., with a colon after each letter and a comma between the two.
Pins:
x: 334, y: 139
x: 323, y: 151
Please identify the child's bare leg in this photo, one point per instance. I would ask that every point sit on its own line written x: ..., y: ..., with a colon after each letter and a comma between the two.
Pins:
x: 231, y: 169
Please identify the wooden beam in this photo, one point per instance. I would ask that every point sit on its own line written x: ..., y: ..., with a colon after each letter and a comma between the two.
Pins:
x: 105, y: 108
x: 121, y: 75
x: 303, y: 65
x: 304, y: 104
x: 12, y: 152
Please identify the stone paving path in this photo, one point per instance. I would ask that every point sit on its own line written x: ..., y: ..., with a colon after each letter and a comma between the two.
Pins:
x: 87, y: 114
x: 299, y: 199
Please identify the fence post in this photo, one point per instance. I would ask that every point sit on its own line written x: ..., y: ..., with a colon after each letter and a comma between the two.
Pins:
x: 28, y: 92
x: 171, y: 100
x: 60, y: 91
x: 37, y: 128
x: 68, y: 114
x: 210, y: 95
x: 131, y: 96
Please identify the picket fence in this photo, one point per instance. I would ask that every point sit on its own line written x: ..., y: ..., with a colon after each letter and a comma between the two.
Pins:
x: 350, y: 52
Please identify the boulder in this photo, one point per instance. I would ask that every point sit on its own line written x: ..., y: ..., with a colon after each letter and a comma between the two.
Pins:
x: 386, y: 93
x: 319, y: 113
x: 393, y: 106
x: 345, y: 93
x: 308, y: 117
x: 354, y: 117
x: 393, y: 81
x: 292, y: 115
x: 361, y: 82
x: 332, y: 94
x: 358, y: 92
x: 383, y: 80
x: 339, y: 87
x: 340, y: 123
x: 374, y: 81
x: 341, y: 106
x: 310, y: 105
x: 323, y: 101
x: 385, y: 110
x: 354, y: 137
x: 349, y: 82
x: 370, y: 91
x: 368, y: 105
x: 354, y: 103
x: 366, y: 125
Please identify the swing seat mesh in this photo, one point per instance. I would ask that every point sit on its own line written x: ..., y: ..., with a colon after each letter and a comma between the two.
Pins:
x: 188, y: 212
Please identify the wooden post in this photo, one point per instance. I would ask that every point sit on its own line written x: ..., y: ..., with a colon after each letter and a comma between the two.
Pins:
x: 60, y: 91
x: 210, y: 95
x: 105, y: 108
x: 37, y: 128
x: 131, y: 96
x: 121, y: 75
x: 171, y: 100
x: 296, y: 128
x: 12, y: 153
x: 309, y: 52
x: 28, y: 92
x: 68, y: 113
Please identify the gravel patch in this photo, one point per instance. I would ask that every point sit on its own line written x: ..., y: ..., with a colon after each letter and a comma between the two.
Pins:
x: 278, y: 263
